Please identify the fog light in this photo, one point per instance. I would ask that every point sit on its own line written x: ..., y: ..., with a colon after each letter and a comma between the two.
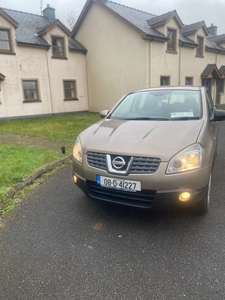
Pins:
x: 185, y: 196
x: 75, y: 178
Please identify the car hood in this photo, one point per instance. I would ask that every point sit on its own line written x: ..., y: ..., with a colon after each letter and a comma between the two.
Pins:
x: 161, y: 139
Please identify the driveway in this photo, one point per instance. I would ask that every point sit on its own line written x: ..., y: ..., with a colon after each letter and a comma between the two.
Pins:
x: 58, y: 244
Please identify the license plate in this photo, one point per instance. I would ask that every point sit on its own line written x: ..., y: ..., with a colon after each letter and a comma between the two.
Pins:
x: 120, y: 184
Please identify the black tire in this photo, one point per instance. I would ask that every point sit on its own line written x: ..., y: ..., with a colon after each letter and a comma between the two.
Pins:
x: 202, y: 206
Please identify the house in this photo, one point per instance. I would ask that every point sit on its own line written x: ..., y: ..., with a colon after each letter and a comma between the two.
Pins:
x: 42, y: 69
x: 129, y: 49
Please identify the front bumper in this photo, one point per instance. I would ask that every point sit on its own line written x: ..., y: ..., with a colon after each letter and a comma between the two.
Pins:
x: 150, y: 199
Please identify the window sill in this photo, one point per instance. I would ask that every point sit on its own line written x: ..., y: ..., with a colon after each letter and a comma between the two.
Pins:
x: 31, y: 101
x: 59, y: 57
x: 71, y: 99
x: 171, y: 52
x: 199, y: 56
x: 7, y: 53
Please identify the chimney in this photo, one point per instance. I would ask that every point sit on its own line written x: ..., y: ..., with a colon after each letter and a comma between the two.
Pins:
x: 49, y: 12
x: 212, y: 29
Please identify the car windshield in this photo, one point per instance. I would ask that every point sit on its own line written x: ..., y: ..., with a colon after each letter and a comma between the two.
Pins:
x: 159, y: 105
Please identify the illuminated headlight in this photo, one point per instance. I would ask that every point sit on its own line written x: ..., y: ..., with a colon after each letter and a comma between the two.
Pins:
x: 77, y: 151
x: 188, y: 159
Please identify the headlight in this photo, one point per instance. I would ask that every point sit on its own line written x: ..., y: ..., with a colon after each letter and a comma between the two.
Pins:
x: 77, y: 151
x: 188, y: 159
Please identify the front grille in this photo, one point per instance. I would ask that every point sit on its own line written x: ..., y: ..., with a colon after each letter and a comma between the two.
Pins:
x: 139, y: 165
x: 144, y: 165
x: 144, y: 198
x: 96, y: 160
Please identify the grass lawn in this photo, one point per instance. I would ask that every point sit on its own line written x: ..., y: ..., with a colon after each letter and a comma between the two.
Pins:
x: 64, y: 128
x: 35, y: 142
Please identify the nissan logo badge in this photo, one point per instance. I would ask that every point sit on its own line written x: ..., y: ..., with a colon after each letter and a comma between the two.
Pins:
x: 118, y: 162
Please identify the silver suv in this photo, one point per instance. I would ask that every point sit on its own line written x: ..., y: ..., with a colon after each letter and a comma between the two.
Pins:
x: 154, y: 149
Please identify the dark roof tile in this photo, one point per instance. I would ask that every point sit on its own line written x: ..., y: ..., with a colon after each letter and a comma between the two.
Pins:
x: 191, y: 27
x: 210, y: 69
x: 186, y: 40
x: 222, y: 70
x: 75, y: 45
x: 30, y: 25
x: 159, y: 19
x: 135, y: 17
x: 219, y: 39
x: 212, y: 45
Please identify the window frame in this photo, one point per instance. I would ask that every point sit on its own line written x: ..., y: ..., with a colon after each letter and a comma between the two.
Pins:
x: 200, y: 47
x: 172, y: 49
x: 36, y: 89
x: 168, y: 80
x: 189, y: 78
x: 55, y: 55
x: 9, y: 41
x: 74, y: 81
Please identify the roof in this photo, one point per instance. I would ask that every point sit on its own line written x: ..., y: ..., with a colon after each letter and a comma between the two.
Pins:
x: 222, y: 70
x: 147, y: 23
x: 161, y: 20
x: 193, y: 28
x: 134, y: 17
x: 31, y: 27
x: 219, y: 39
x: 7, y: 17
x: 211, y: 69
x: 211, y: 45
x: 74, y: 45
x: 187, y: 41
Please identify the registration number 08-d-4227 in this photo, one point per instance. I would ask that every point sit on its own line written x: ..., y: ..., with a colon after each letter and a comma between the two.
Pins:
x: 121, y: 184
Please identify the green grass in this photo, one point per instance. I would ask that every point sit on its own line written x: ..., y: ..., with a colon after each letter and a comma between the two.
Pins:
x: 18, y: 161
x: 53, y: 128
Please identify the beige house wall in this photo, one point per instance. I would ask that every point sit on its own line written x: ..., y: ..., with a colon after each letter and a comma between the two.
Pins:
x: 119, y: 60
x: 37, y: 64
x: 116, y: 58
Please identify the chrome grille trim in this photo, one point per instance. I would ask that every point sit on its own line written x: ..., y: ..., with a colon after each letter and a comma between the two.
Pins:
x: 140, y: 165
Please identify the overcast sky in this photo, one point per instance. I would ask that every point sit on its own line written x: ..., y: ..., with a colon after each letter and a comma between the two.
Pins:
x: 190, y: 11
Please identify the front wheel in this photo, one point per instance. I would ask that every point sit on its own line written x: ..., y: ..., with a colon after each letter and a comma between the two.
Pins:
x: 202, y: 206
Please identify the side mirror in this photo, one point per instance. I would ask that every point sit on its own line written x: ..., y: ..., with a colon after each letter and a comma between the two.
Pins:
x: 219, y: 115
x: 103, y: 113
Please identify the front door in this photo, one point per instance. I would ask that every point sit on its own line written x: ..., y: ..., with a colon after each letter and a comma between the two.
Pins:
x: 219, y: 89
x: 207, y: 83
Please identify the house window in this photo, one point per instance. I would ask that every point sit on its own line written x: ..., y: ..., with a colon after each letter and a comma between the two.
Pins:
x: 5, y: 44
x: 188, y: 80
x: 30, y: 90
x: 58, y: 47
x: 199, y: 49
x: 70, y: 90
x: 171, y: 44
x: 165, y: 80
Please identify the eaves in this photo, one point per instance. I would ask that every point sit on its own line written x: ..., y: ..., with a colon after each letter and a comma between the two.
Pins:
x: 24, y: 44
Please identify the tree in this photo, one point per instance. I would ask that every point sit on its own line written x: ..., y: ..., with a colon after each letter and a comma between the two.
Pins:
x: 69, y: 19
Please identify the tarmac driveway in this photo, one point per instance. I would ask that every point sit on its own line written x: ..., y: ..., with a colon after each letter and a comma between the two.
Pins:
x: 58, y: 244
